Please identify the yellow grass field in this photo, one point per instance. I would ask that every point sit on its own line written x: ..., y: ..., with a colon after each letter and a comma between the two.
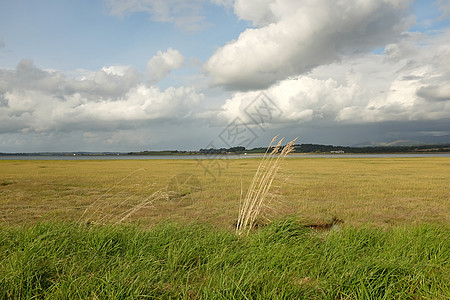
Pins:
x: 374, y: 191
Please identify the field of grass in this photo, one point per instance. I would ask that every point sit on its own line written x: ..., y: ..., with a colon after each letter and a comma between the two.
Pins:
x: 391, y: 240
x: 169, y: 261
x: 377, y: 191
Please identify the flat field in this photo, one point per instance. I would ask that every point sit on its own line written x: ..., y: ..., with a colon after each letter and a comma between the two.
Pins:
x: 375, y: 191
x: 340, y: 228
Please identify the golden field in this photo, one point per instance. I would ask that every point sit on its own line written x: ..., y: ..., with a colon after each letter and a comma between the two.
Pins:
x: 374, y: 191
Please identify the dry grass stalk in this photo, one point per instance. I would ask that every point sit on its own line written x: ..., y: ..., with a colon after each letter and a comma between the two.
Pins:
x: 94, y: 208
x: 117, y: 214
x: 108, y: 211
x: 250, y: 206
x: 155, y: 196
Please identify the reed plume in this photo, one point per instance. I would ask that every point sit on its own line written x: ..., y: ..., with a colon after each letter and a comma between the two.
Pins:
x: 250, y: 206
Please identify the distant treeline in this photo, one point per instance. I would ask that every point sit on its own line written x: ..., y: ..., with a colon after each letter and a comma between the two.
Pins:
x: 309, y: 148
x: 316, y: 148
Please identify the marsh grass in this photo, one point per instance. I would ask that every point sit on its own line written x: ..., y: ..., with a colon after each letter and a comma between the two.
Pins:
x: 102, y: 210
x: 256, y: 198
x: 284, y: 260
x: 382, y: 192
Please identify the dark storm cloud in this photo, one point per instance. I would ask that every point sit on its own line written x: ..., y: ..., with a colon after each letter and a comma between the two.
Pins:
x: 435, y: 93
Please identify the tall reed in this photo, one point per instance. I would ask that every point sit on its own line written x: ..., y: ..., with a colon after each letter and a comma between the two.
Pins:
x: 250, y: 206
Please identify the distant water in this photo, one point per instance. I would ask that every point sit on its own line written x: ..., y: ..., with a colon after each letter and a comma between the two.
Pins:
x: 111, y: 157
x: 135, y: 157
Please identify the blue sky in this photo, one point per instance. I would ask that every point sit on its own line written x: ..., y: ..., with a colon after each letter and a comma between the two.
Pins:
x: 67, y: 35
x: 129, y: 75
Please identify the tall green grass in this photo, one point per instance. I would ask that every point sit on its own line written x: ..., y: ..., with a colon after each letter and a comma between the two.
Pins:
x: 284, y: 260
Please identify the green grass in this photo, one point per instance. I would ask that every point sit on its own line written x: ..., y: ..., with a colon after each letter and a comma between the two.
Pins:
x: 281, y: 261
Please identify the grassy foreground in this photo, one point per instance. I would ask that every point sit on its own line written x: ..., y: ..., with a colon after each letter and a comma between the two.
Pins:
x: 282, y: 261
x: 392, y: 240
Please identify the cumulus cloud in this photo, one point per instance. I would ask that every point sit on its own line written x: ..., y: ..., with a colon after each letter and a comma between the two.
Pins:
x: 410, y: 82
x: 36, y: 100
x: 259, y: 13
x: 109, y: 82
x: 160, y: 65
x: 292, y: 37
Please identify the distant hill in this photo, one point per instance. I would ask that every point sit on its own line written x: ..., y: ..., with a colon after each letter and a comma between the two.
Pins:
x: 392, y: 148
x: 412, y: 141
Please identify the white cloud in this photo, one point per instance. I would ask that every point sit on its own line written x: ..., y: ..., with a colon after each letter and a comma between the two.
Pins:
x: 410, y: 82
x: 160, y: 65
x: 109, y: 82
x: 35, y: 100
x: 292, y: 37
x: 258, y: 12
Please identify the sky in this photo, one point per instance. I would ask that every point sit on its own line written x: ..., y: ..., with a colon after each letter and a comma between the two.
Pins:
x: 134, y: 75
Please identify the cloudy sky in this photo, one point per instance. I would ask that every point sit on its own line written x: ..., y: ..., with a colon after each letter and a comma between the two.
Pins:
x: 131, y: 75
